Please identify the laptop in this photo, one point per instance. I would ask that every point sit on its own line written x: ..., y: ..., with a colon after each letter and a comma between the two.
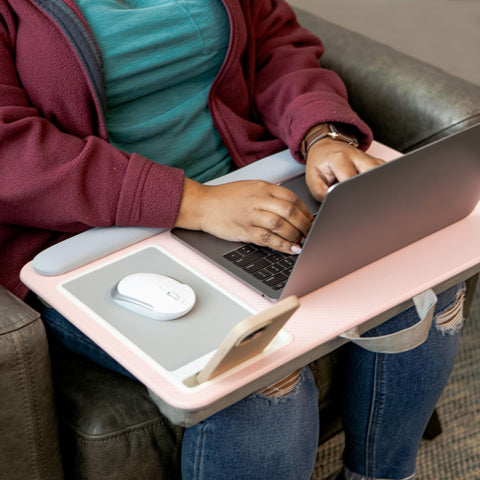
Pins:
x: 361, y: 219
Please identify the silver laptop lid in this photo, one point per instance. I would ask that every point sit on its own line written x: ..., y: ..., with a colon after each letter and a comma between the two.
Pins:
x: 370, y: 215
x: 380, y: 211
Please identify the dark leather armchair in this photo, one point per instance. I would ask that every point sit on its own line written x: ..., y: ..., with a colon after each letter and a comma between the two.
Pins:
x: 64, y: 417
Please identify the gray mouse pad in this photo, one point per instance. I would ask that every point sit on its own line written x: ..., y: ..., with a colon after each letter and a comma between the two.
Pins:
x: 172, y: 343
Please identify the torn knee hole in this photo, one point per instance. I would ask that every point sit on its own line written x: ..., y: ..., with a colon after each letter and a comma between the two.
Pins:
x: 283, y: 387
x: 450, y: 320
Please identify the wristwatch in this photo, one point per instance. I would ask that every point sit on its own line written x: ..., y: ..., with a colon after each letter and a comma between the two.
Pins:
x: 322, y: 131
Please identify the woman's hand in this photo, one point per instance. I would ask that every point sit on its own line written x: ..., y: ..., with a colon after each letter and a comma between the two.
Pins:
x: 246, y: 211
x: 331, y: 160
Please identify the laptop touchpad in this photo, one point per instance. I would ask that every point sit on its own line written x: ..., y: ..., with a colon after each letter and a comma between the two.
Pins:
x: 299, y: 187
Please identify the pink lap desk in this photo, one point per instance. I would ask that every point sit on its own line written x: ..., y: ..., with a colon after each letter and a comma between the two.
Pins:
x: 364, y: 298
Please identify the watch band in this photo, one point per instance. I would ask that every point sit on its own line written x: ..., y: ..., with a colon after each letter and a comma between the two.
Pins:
x: 321, y: 131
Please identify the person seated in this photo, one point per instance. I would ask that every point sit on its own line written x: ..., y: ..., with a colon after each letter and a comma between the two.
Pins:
x: 116, y: 113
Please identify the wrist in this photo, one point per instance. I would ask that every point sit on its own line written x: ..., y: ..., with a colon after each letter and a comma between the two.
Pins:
x: 191, y: 211
x: 324, y: 130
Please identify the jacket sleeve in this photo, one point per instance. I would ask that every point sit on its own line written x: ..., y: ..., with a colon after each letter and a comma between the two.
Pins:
x: 53, y: 180
x: 292, y: 91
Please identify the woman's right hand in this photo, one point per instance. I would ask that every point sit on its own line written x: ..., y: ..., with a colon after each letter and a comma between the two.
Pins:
x: 246, y: 211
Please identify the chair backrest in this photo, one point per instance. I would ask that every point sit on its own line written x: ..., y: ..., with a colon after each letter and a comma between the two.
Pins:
x: 407, y: 102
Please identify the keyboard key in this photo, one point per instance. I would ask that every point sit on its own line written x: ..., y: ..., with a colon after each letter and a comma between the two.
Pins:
x: 262, y: 274
x: 288, y: 271
x: 288, y: 261
x: 246, y: 249
x: 275, y: 257
x: 257, y: 265
x: 280, y: 285
x: 274, y: 279
x: 272, y: 268
x: 250, y: 258
x: 233, y: 255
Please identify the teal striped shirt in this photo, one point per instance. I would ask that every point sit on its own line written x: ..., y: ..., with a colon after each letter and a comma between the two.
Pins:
x: 160, y: 60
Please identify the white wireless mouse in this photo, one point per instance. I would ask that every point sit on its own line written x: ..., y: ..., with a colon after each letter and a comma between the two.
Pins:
x: 154, y: 295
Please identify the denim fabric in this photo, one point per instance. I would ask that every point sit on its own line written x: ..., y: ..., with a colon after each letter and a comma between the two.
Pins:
x: 257, y: 438
x: 387, y: 403
x: 62, y: 334
x: 389, y: 398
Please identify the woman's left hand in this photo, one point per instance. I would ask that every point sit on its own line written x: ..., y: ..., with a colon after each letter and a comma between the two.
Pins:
x: 331, y: 160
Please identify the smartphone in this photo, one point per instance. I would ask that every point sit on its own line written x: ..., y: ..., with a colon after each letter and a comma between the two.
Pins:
x: 249, y: 338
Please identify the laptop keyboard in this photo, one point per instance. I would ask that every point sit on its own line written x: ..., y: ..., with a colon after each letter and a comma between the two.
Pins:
x: 263, y: 263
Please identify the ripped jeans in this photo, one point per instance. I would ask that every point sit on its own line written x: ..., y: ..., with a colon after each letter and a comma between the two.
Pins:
x: 389, y: 398
x: 387, y: 403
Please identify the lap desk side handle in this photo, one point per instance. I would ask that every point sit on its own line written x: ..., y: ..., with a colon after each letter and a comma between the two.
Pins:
x: 403, y: 340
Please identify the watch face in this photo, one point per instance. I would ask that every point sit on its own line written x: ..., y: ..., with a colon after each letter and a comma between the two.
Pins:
x: 336, y: 135
x: 321, y: 131
x: 333, y: 129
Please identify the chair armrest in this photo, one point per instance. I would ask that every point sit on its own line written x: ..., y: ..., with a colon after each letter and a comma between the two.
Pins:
x: 407, y: 102
x: 29, y: 443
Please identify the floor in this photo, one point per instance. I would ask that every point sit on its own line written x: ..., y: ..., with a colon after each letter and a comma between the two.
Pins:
x: 444, y: 33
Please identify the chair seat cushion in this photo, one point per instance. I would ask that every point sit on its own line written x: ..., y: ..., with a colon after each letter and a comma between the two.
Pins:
x: 107, y: 419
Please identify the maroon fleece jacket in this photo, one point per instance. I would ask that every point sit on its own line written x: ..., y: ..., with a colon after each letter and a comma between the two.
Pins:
x: 58, y: 173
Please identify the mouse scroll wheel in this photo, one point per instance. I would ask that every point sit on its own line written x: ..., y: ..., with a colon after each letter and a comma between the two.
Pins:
x: 174, y: 296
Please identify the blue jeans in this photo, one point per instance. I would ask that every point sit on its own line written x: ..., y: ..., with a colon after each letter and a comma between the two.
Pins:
x: 389, y: 398
x: 387, y: 403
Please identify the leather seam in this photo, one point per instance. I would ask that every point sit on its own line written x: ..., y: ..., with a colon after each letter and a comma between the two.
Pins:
x: 83, y: 437
x: 416, y: 143
x: 16, y: 328
x: 23, y: 367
